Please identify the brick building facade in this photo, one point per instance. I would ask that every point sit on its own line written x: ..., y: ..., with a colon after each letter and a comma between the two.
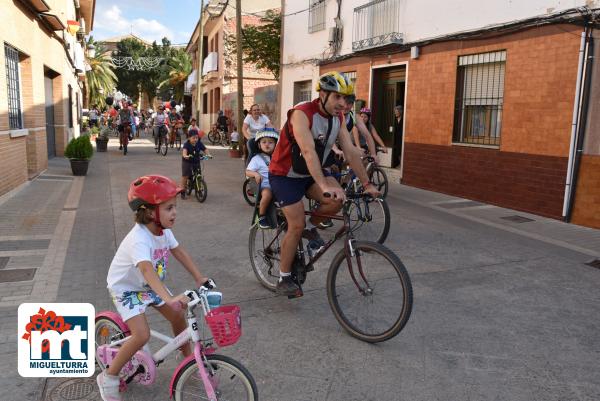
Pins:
x: 518, y: 157
x: 40, y: 85
x: 219, y: 83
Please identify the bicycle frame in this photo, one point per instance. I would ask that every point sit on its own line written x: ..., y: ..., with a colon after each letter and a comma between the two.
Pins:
x: 174, y: 343
x: 348, y: 248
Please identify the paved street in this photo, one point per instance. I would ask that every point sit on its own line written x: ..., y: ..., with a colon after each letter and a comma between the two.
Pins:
x: 503, y: 310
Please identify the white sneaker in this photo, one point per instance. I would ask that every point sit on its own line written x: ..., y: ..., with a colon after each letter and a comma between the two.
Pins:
x: 109, y: 387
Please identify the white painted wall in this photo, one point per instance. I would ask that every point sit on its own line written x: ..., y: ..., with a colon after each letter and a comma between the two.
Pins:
x: 420, y: 20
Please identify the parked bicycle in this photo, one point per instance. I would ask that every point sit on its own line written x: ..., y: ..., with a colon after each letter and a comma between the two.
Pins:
x: 368, y: 287
x: 203, y: 375
x: 196, y: 182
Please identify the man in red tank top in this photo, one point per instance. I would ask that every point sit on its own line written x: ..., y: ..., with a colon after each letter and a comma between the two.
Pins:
x: 298, y: 168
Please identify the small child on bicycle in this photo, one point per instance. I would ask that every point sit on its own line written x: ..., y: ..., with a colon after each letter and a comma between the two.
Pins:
x: 258, y: 168
x: 190, y: 157
x: 136, y: 274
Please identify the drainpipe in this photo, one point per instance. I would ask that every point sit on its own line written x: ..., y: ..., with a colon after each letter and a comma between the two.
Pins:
x: 574, y: 124
x: 589, y: 62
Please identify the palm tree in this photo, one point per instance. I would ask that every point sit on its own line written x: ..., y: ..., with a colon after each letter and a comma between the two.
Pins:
x: 181, y: 68
x: 101, y: 78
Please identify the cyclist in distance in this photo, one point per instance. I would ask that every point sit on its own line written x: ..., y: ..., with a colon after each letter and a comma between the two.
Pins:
x: 297, y: 165
x: 160, y: 122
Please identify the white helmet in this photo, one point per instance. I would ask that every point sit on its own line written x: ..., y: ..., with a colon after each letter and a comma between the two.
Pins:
x: 266, y: 133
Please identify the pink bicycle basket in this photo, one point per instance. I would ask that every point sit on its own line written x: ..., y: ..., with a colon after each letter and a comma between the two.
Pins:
x: 225, y: 323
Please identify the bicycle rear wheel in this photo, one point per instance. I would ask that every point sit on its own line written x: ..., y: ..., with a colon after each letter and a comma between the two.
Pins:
x: 379, y: 178
x: 376, y: 307
x: 178, y: 140
x: 250, y: 191
x: 265, y: 247
x: 231, y: 380
x: 200, y: 189
x: 370, y: 219
x: 163, y: 146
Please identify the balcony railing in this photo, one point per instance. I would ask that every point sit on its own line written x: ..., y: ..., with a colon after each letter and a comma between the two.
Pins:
x: 376, y: 23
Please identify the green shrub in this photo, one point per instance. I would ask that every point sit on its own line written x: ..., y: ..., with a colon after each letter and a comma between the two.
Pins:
x: 104, y: 132
x: 79, y: 148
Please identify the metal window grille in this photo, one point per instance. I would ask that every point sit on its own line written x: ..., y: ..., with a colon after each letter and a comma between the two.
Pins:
x: 479, y: 98
x: 302, y: 91
x: 376, y: 23
x: 351, y: 75
x: 11, y: 56
x: 316, y: 15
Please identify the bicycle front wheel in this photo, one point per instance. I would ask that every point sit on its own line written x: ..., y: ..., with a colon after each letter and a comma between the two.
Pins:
x: 230, y: 379
x: 265, y: 254
x: 164, y: 146
x: 371, y: 297
x: 370, y: 219
x: 379, y: 178
x: 250, y: 191
x: 200, y: 189
x: 106, y: 330
x: 213, y: 137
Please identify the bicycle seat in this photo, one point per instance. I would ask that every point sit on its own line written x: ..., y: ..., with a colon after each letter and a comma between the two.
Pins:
x: 271, y: 211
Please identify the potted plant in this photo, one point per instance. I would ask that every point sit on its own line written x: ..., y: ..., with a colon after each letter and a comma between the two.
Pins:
x: 102, y: 138
x: 79, y: 151
x: 234, y: 150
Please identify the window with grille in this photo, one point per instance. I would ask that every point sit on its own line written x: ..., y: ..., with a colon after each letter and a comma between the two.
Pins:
x: 479, y: 98
x: 302, y: 91
x: 11, y: 56
x: 316, y: 15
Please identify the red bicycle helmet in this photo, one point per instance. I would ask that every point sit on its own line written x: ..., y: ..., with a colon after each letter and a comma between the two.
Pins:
x: 151, y: 190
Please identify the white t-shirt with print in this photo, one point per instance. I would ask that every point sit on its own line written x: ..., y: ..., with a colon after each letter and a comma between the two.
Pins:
x: 139, y: 245
x: 259, y: 163
x: 255, y: 126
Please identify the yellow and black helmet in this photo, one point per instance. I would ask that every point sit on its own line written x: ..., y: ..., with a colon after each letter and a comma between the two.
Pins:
x: 333, y: 81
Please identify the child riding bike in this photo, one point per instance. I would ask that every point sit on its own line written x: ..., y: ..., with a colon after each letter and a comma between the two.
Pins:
x: 140, y: 264
x: 190, y: 157
x: 258, y: 168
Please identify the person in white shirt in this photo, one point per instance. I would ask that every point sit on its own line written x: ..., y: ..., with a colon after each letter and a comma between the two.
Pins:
x: 258, y: 168
x: 136, y: 274
x: 235, y: 136
x: 255, y: 121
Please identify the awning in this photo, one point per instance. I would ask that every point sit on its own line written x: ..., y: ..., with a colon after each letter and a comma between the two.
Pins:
x: 52, y: 21
x: 79, y: 59
x: 211, y: 63
x: 39, y: 6
x: 191, y: 81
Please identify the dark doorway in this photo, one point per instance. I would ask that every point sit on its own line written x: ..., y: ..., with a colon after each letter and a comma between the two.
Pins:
x: 388, y: 92
x: 50, y: 133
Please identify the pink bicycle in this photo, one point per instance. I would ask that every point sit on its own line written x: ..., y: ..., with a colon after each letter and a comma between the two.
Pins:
x: 204, y: 375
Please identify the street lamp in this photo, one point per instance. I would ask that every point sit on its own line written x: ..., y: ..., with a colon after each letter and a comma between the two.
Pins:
x: 91, y: 50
